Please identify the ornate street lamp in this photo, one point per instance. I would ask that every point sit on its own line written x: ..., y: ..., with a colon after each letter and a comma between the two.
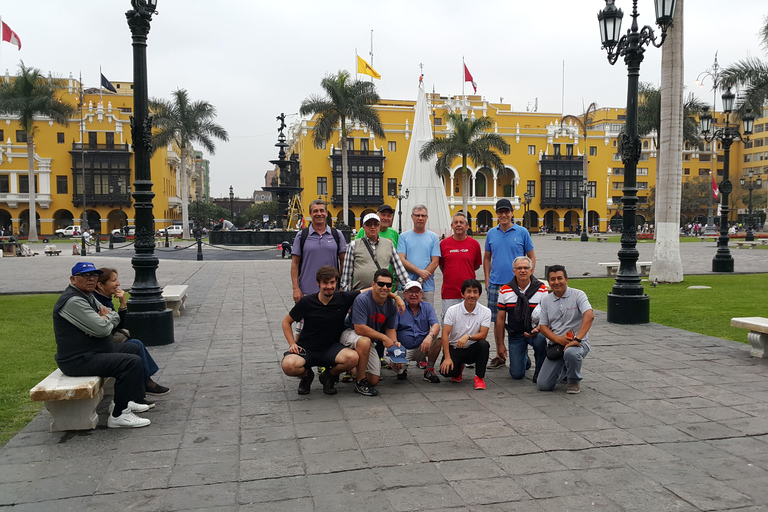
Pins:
x: 714, y: 74
x: 627, y: 302
x: 527, y: 204
x: 723, y: 261
x: 400, y: 197
x: 147, y: 317
x: 231, y: 203
x: 750, y: 185
x: 584, y: 196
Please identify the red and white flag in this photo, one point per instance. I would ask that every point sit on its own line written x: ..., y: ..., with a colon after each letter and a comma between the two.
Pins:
x: 9, y: 36
x: 715, y: 191
x: 468, y: 78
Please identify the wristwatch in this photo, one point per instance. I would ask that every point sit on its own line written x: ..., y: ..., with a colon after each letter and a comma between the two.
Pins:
x: 470, y: 338
x: 577, y: 339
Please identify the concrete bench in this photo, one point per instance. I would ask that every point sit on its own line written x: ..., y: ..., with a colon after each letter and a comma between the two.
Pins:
x: 175, y: 296
x: 601, y: 238
x: 72, y: 401
x: 742, y: 244
x: 644, y: 267
x: 52, y: 250
x: 758, y: 333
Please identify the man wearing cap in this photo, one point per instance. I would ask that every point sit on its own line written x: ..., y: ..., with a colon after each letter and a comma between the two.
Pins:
x: 419, y: 249
x: 83, y: 331
x: 322, y: 245
x: 503, y: 244
x: 386, y: 217
x: 368, y: 254
x: 461, y: 257
x: 417, y: 330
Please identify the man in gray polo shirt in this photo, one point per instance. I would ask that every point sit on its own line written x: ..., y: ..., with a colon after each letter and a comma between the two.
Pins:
x: 566, y: 317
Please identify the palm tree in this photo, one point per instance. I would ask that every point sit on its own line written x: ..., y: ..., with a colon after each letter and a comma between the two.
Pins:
x: 31, y: 95
x: 185, y: 122
x: 752, y: 75
x: 345, y: 101
x: 583, y: 123
x: 468, y: 141
x: 649, y: 113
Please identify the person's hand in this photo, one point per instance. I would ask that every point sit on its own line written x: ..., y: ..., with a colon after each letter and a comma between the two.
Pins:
x: 462, y: 341
x: 400, y: 303
x: 531, y: 334
x: 501, y: 351
x: 426, y: 344
x: 388, y: 343
x: 120, y: 294
x: 573, y: 343
x: 295, y: 349
x: 104, y: 311
x: 447, y: 365
x: 423, y: 274
x: 297, y: 294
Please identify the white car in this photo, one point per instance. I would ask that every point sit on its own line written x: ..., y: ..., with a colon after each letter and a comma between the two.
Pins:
x: 68, y: 231
x: 121, y: 231
x: 172, y: 231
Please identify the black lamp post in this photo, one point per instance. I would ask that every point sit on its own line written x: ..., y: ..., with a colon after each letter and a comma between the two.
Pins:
x: 527, y: 207
x: 723, y: 261
x: 400, y: 197
x: 750, y: 185
x: 231, y: 203
x: 627, y: 302
x: 147, y: 317
x: 584, y: 196
x: 714, y: 74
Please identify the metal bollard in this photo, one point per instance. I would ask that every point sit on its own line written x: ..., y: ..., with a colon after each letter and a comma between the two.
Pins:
x: 98, y: 243
x: 166, y: 238
x: 83, y: 252
x: 199, y: 247
x: 111, y: 244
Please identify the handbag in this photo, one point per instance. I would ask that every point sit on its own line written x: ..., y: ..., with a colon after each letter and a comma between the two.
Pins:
x: 121, y: 335
x: 555, y: 352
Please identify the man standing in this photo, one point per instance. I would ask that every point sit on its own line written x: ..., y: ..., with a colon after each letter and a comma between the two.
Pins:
x: 323, y: 314
x: 503, y: 244
x: 519, y: 298
x: 368, y: 254
x: 419, y: 249
x: 83, y: 331
x: 465, y: 329
x: 417, y: 331
x: 386, y: 217
x: 461, y: 257
x: 315, y: 246
x: 564, y: 312
x: 371, y: 320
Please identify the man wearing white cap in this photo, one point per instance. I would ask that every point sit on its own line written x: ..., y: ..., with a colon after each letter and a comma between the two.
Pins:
x: 368, y: 254
x: 417, y: 330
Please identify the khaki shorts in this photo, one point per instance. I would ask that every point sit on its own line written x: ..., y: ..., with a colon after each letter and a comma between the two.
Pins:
x: 349, y: 339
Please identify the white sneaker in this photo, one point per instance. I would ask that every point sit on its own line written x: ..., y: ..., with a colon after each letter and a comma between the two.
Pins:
x: 126, y: 420
x: 133, y: 407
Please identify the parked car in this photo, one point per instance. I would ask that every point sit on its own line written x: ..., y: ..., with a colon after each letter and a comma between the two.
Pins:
x: 121, y: 231
x: 174, y: 230
x: 68, y: 231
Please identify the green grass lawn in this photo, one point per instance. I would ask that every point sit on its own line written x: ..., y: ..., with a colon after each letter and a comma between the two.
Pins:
x: 704, y: 311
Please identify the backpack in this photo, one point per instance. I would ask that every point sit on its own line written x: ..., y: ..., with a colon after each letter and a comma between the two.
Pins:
x: 303, y: 238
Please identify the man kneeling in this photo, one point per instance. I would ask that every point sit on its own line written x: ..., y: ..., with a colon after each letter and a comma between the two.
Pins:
x: 417, y: 330
x: 323, y: 314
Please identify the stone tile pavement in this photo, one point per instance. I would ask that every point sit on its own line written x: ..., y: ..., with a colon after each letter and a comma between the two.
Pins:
x: 667, y: 420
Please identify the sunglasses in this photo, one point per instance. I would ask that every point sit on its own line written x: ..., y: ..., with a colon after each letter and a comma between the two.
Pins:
x: 382, y: 284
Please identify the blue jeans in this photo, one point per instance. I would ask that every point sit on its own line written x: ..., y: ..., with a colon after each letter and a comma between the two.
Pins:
x: 569, y: 367
x: 518, y: 354
x: 149, y: 365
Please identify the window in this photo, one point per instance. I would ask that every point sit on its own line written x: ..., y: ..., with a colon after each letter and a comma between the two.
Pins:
x: 556, y: 149
x: 703, y: 172
x: 569, y: 149
x: 747, y: 158
x: 642, y: 185
x: 642, y: 171
x: 618, y: 171
x: 322, y: 186
x: 705, y: 157
x: 686, y: 172
x: 686, y: 157
x: 60, y: 138
x: 531, y: 149
x: 21, y: 136
x: 101, y: 184
x: 350, y: 144
x: 92, y: 139
x: 110, y: 140
x: 721, y: 158
x: 24, y: 184
x: 758, y: 143
x: 617, y: 185
x: 614, y: 143
x: 391, y: 186
x: 645, y: 144
x: 322, y: 144
x: 363, y: 144
x: 61, y: 184
x: 592, y: 189
x: 2, y: 136
x: 5, y: 184
x: 531, y: 188
x: 592, y: 150
x: 392, y: 146
x: 438, y: 121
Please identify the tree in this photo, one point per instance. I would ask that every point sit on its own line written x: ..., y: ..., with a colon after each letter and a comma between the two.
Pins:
x: 583, y: 123
x: 256, y: 212
x: 468, y: 141
x: 345, y: 101
x: 185, y: 122
x: 752, y: 75
x: 31, y: 95
x: 649, y: 110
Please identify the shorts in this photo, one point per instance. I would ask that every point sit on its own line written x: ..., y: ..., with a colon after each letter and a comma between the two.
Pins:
x: 349, y: 339
x: 493, y: 299
x: 321, y: 357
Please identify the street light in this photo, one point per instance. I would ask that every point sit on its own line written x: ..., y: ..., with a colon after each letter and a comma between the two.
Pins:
x: 750, y: 185
x: 400, y: 198
x: 147, y: 317
x: 526, y: 206
x: 714, y: 74
x: 231, y: 203
x: 723, y: 261
x: 584, y: 196
x: 627, y: 302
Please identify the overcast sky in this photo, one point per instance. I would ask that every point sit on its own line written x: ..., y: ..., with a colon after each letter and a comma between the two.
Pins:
x: 255, y: 59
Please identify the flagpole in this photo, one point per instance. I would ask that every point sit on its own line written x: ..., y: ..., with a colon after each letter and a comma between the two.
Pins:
x: 357, y: 75
x: 463, y: 74
x: 101, y: 88
x: 371, y: 53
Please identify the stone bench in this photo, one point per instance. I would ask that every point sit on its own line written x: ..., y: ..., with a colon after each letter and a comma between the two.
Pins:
x: 742, y: 244
x: 601, y: 238
x: 758, y: 333
x: 72, y: 401
x: 644, y: 267
x: 52, y: 250
x: 175, y: 296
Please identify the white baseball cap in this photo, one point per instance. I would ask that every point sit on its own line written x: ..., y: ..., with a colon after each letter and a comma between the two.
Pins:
x: 371, y: 216
x: 412, y: 284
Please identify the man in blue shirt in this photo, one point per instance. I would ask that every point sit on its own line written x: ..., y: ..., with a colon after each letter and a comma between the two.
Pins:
x: 419, y: 250
x: 417, y: 330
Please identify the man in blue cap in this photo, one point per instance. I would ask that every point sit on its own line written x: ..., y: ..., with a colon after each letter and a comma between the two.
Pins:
x: 83, y: 331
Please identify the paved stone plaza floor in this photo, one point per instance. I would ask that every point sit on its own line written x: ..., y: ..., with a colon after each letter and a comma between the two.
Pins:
x: 667, y: 419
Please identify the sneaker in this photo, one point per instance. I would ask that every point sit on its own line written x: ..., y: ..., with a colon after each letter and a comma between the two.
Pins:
x: 479, y: 382
x: 404, y: 375
x: 328, y: 381
x: 147, y: 402
x: 535, y: 378
x: 365, y: 389
x: 423, y: 364
x: 497, y: 362
x: 460, y: 377
x: 385, y: 363
x: 429, y: 376
x: 153, y: 388
x: 126, y: 420
x: 133, y: 407
x: 573, y: 388
x: 306, y: 382
x: 348, y: 377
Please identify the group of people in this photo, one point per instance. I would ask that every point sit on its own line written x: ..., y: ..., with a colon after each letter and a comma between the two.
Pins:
x: 348, y: 316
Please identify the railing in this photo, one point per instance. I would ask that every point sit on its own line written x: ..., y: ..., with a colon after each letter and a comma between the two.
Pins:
x: 562, y: 202
x: 76, y: 146
x: 575, y: 158
x: 102, y: 199
x: 359, y: 200
x: 359, y: 152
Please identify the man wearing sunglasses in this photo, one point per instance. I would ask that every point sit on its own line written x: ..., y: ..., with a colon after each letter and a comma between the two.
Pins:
x: 83, y: 331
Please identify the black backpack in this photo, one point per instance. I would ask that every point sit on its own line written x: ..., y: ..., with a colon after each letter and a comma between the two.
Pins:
x: 303, y: 238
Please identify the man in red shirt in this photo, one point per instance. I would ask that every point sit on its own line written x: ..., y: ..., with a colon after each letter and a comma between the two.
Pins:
x: 461, y: 257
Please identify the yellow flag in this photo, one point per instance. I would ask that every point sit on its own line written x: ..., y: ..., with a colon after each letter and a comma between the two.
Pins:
x: 365, y: 69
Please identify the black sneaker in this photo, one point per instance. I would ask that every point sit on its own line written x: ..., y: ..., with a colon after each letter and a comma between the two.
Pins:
x: 306, y: 382
x: 403, y: 376
x: 429, y: 376
x: 328, y: 381
x: 535, y: 378
x: 366, y: 389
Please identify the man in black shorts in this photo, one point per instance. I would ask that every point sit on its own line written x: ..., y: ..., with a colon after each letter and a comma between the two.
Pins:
x: 323, y: 314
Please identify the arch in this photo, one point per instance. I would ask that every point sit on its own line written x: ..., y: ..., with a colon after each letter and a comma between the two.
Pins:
x: 639, y: 220
x: 551, y: 221
x: 24, y: 222
x: 62, y: 218
x: 5, y: 219
x: 593, y: 219
x: 531, y: 220
x: 116, y: 220
x: 616, y: 222
x: 571, y: 221
x: 485, y: 219
x: 481, y: 184
x: 350, y: 218
x: 94, y: 221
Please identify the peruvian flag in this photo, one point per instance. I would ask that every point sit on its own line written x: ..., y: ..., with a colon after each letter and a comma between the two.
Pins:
x: 10, y: 36
x: 468, y: 78
x: 715, y: 191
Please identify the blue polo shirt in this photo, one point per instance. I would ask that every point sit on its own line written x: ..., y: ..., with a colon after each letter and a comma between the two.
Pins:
x: 504, y: 247
x: 319, y: 249
x: 419, y: 248
x: 412, y: 328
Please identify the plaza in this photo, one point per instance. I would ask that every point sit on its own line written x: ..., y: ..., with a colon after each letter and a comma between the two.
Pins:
x: 667, y: 419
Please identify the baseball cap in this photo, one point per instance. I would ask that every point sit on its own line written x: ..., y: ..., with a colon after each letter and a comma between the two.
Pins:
x: 371, y: 216
x: 385, y: 207
x: 397, y: 354
x: 84, y: 266
x: 412, y: 284
x: 503, y: 203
